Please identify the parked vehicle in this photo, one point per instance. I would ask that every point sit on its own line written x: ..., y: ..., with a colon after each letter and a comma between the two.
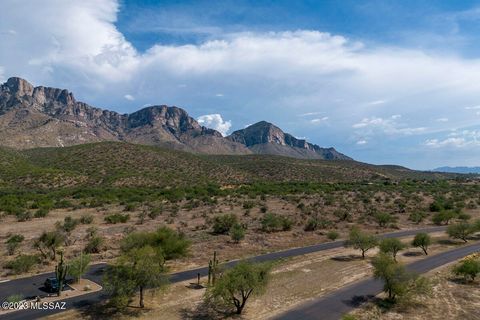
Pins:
x: 51, y: 285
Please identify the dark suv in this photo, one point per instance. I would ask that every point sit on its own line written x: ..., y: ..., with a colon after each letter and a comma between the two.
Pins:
x: 51, y: 285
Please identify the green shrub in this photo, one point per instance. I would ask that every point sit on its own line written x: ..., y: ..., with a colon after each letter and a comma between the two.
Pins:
x: 464, y: 216
x: 14, y: 298
x: 416, y: 217
x: 271, y: 223
x: 460, y: 230
x: 468, y: 268
x: 311, y: 225
x: 287, y: 223
x: 94, y: 244
x: 69, y: 224
x: 391, y: 246
x: 333, y: 235
x: 237, y: 233
x: 172, y: 244
x: 117, y: 218
x: 63, y: 203
x: 441, y: 204
x: 223, y: 223
x: 78, y: 266
x: 422, y: 240
x: 86, y: 219
x: 13, y: 242
x: 444, y: 217
x: 383, y: 219
x: 130, y: 207
x: 23, y: 263
x: 23, y: 215
x: 155, y: 212
x: 41, y: 213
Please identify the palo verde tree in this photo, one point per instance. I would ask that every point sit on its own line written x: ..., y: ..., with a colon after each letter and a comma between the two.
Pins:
x: 138, y: 269
x: 422, y: 240
x: 363, y: 241
x: 78, y: 266
x: 142, y: 263
x: 468, y: 268
x: 393, y: 275
x: 397, y: 282
x: 47, y: 244
x: 172, y: 244
x: 237, y: 233
x: 238, y: 284
x: 461, y: 230
x: 384, y: 218
x: 391, y: 246
x: 13, y: 242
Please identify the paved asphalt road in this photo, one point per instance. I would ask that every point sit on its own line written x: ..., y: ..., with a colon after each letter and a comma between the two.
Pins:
x: 31, y: 286
x: 339, y: 302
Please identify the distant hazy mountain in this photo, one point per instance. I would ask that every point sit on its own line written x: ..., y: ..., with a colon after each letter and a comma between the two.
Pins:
x: 458, y: 169
x: 33, y: 117
x: 266, y: 138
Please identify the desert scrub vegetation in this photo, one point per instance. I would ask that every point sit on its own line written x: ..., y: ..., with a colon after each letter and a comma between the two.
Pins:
x: 22, y: 263
x: 236, y: 285
x: 316, y: 200
x: 468, y: 268
x: 223, y: 223
x: 272, y: 223
x: 141, y: 264
x: 399, y: 284
x: 117, y: 218
x: 361, y: 240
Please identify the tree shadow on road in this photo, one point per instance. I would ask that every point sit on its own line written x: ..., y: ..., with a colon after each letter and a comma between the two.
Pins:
x: 205, y: 311
x: 105, y: 311
x: 357, y: 301
x: 346, y: 258
x: 413, y: 254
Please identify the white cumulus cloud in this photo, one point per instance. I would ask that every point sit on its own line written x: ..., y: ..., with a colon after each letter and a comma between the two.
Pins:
x: 389, y: 126
x: 267, y: 75
x: 319, y: 120
x: 362, y: 142
x: 215, y: 121
x: 129, y: 97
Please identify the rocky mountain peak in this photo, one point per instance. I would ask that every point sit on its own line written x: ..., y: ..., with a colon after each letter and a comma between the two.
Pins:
x: 265, y: 137
x: 43, y: 116
x: 51, y: 117
x: 258, y: 133
x: 19, y: 87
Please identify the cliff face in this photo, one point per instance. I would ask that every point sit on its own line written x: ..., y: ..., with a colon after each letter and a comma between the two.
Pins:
x: 45, y: 117
x: 49, y: 117
x: 266, y: 138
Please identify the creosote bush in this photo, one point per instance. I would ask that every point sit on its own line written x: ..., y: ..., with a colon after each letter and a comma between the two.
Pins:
x: 223, y: 223
x: 272, y: 223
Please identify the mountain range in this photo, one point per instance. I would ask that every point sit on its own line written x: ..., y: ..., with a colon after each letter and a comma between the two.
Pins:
x: 32, y: 117
x: 465, y: 170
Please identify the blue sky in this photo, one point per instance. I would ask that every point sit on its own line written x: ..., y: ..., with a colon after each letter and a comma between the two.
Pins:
x: 420, y: 24
x: 382, y: 81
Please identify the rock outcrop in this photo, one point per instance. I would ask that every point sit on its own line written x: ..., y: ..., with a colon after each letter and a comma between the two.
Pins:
x: 49, y: 117
x: 266, y: 138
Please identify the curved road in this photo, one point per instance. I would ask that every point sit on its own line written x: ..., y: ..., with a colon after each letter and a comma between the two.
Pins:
x: 30, y: 287
x: 340, y: 302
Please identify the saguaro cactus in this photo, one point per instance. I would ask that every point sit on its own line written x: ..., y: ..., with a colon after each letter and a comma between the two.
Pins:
x: 213, y: 269
x: 61, y: 271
